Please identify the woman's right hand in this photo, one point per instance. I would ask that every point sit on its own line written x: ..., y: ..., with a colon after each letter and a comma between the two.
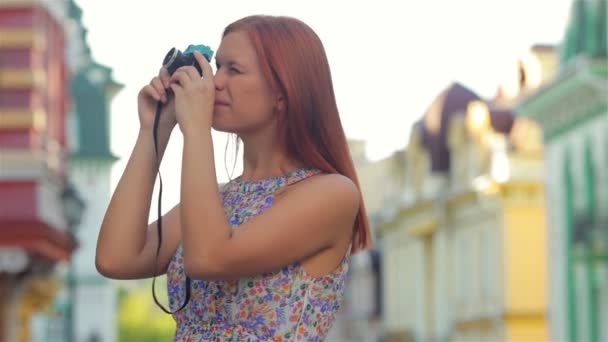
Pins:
x: 157, y: 90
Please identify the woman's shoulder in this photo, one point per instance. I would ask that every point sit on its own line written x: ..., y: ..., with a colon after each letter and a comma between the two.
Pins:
x: 329, y: 182
x: 340, y: 189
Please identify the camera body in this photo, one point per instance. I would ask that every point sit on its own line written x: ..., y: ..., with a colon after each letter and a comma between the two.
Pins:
x: 175, y: 58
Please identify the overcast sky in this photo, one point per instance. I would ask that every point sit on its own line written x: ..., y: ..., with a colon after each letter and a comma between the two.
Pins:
x: 389, y: 59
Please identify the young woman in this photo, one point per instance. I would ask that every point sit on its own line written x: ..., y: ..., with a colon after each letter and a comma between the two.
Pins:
x: 265, y: 256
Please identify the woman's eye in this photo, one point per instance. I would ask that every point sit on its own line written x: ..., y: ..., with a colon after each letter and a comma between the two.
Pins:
x: 235, y: 70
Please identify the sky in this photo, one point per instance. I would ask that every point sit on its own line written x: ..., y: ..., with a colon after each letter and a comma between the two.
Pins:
x: 389, y: 59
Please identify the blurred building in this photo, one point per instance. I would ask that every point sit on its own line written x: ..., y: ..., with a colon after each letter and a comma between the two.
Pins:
x: 573, y: 113
x: 469, y: 180
x: 54, y: 176
x: 382, y: 182
x: 464, y: 248
x: 94, y: 298
x: 35, y: 221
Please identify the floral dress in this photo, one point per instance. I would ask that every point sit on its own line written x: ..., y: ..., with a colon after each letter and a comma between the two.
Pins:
x: 287, y: 305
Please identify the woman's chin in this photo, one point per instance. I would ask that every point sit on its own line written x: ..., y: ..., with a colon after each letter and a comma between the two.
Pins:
x: 221, y: 128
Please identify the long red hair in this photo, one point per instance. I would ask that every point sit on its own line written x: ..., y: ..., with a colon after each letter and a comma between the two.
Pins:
x: 293, y: 60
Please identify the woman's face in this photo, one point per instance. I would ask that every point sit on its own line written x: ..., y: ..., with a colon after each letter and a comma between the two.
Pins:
x: 244, y: 100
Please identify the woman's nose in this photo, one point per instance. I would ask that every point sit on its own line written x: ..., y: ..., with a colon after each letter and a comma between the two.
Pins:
x: 219, y: 79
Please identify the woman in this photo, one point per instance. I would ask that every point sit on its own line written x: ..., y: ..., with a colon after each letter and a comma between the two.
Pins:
x: 267, y: 253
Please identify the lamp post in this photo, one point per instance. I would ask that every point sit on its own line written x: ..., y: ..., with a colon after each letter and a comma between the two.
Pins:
x: 73, y: 208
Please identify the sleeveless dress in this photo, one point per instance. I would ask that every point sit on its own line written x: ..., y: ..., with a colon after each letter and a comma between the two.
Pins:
x: 287, y: 305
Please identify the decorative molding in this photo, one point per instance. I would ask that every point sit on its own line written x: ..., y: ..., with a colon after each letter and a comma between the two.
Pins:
x: 40, y: 239
x: 27, y: 165
x: 479, y: 323
x: 574, y: 120
x: 576, y: 96
x: 11, y: 118
x: 56, y: 10
x: 424, y: 229
x: 462, y: 198
x: 406, y: 213
x: 518, y: 315
x: 17, y: 3
x: 22, y: 78
x: 21, y: 38
x: 523, y: 192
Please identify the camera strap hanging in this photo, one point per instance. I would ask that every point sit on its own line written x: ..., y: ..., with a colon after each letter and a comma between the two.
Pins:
x: 159, y: 221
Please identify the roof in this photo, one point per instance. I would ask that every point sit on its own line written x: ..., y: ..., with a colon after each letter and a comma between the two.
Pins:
x: 434, y: 126
x: 502, y: 120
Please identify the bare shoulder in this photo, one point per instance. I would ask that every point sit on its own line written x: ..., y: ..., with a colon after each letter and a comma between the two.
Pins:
x: 333, y: 188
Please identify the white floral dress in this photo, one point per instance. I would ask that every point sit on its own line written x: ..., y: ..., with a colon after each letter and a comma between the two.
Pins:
x: 287, y: 305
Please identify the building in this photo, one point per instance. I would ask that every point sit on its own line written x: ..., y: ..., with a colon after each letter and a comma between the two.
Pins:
x: 35, y: 232
x: 465, y: 243
x: 573, y: 113
x: 381, y: 182
x: 94, y: 300
x: 55, y: 141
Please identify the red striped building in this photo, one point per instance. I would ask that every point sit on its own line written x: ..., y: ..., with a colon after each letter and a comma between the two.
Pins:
x: 34, y: 102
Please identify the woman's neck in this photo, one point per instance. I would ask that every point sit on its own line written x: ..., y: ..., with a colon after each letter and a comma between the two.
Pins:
x: 265, y: 157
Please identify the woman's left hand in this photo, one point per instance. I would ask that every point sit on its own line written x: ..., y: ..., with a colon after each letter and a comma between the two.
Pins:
x: 194, y: 96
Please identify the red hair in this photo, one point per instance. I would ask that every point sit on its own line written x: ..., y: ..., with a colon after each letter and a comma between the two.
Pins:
x: 293, y: 60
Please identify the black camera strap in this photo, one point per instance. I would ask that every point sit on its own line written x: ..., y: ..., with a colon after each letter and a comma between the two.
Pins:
x: 159, y: 221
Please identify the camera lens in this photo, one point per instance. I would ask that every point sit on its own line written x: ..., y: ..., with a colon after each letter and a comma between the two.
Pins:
x: 170, y: 57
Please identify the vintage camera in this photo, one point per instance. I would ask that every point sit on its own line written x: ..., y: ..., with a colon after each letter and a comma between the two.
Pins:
x: 175, y: 58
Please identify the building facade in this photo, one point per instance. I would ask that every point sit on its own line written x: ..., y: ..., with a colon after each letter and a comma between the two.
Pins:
x: 94, y: 300
x: 55, y: 141
x: 573, y: 113
x: 465, y: 243
x: 360, y: 318
x: 35, y: 233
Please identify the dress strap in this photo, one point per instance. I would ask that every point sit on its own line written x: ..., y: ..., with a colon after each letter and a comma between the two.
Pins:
x: 300, y: 174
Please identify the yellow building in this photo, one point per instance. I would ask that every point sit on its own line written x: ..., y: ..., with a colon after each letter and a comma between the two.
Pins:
x: 465, y: 245
x: 360, y: 318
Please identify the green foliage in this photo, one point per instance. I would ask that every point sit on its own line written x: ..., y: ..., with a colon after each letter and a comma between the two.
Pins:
x: 139, y: 318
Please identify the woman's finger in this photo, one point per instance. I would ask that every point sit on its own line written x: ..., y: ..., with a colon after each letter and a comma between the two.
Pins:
x: 207, y: 71
x: 150, y: 91
x: 180, y: 77
x: 165, y: 77
x: 158, y: 86
x: 191, y: 72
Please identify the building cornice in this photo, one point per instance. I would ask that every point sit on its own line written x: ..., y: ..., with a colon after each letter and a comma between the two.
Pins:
x: 526, y: 193
x: 404, y: 213
x: 462, y: 198
x: 14, y: 118
x: 22, y: 78
x: 57, y: 10
x: 39, y: 238
x: 11, y: 38
x: 577, y: 95
x: 29, y: 165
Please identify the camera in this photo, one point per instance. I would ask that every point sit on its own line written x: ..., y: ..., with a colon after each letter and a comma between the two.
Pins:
x: 175, y: 58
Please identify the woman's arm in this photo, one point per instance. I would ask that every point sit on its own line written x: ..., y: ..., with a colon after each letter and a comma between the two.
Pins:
x: 126, y: 246
x: 315, y: 215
